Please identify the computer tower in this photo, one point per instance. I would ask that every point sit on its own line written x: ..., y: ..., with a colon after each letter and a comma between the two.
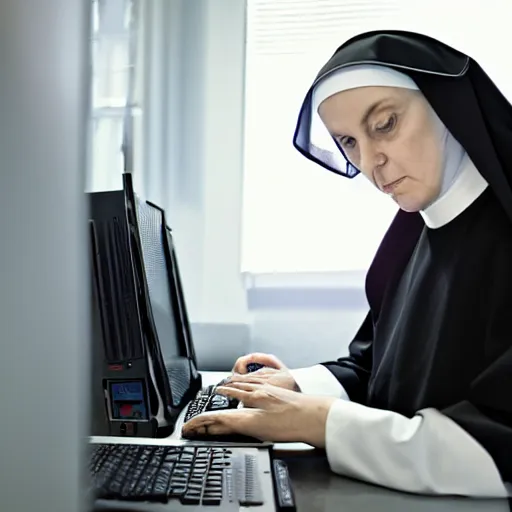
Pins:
x: 144, y: 366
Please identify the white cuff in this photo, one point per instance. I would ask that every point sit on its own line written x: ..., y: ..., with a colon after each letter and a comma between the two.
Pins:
x: 427, y: 454
x: 318, y: 380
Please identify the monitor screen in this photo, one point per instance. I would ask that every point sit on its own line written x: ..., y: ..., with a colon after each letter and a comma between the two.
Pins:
x: 152, y: 233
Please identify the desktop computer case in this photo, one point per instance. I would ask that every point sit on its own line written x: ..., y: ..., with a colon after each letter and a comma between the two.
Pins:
x: 131, y: 395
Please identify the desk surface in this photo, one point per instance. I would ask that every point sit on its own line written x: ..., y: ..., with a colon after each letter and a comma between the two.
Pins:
x: 318, y: 489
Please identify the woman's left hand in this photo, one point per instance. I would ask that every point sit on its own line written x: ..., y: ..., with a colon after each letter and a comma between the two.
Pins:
x: 270, y: 413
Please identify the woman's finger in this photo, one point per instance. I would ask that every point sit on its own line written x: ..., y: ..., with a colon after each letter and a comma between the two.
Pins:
x: 264, y: 359
x: 220, y: 428
x: 208, y: 418
x: 198, y: 423
x: 233, y: 392
x: 242, y: 362
x: 240, y: 366
x: 249, y: 378
x: 250, y: 396
x: 245, y: 386
x: 266, y: 370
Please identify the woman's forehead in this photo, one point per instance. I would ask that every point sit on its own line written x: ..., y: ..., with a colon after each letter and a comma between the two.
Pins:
x: 358, y: 103
x: 361, y: 97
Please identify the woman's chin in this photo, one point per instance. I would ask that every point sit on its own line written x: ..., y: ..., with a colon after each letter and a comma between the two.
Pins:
x: 410, y: 204
x: 414, y: 198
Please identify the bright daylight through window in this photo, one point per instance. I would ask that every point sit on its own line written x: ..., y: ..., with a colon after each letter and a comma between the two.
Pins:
x: 297, y: 216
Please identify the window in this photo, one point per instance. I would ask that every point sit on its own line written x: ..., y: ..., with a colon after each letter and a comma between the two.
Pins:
x: 115, y: 56
x: 297, y: 216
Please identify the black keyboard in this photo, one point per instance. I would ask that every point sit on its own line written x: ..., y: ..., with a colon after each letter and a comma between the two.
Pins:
x: 208, y: 400
x: 194, y: 475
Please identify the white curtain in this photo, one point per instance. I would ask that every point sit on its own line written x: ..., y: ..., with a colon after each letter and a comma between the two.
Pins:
x: 297, y: 216
x: 113, y: 29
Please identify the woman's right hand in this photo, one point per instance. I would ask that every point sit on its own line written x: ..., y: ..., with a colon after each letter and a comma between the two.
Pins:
x: 274, y: 372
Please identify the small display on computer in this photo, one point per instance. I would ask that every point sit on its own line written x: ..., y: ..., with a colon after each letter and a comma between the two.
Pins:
x: 128, y: 400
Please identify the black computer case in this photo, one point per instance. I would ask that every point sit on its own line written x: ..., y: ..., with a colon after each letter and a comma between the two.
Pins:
x: 136, y: 391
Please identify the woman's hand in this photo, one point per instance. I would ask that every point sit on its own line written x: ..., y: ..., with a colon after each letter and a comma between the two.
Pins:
x: 270, y: 413
x: 275, y: 372
x: 267, y: 360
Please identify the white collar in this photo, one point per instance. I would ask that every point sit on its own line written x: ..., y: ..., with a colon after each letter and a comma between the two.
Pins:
x: 468, y: 186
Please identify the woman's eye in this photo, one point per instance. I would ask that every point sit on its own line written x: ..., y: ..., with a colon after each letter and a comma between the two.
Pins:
x: 347, y: 142
x: 387, y: 126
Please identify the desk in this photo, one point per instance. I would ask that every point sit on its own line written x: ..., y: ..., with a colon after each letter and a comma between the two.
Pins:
x: 318, y: 489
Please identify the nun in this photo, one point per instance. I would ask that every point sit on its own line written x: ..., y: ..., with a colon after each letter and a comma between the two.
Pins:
x: 423, y: 401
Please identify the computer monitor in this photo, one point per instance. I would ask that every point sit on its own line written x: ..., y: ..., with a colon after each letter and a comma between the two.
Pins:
x: 144, y: 369
x: 166, y: 298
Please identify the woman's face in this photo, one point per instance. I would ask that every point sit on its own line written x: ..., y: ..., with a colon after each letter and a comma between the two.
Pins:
x: 393, y: 137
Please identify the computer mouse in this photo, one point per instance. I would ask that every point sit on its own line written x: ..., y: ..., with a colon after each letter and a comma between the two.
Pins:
x: 254, y: 367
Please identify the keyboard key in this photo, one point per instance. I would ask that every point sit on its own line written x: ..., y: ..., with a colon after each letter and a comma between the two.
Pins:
x: 191, y: 499
x: 162, y: 482
x: 207, y: 400
x: 177, y: 492
x: 211, y: 500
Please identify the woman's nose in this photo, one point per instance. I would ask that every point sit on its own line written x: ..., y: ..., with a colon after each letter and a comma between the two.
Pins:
x: 371, y: 158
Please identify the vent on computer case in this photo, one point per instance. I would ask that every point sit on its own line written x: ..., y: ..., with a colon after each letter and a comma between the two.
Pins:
x: 114, y: 282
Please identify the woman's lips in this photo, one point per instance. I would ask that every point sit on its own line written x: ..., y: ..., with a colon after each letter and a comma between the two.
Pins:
x: 390, y: 187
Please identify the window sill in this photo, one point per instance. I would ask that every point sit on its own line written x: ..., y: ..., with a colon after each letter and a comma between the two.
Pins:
x: 306, y: 291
